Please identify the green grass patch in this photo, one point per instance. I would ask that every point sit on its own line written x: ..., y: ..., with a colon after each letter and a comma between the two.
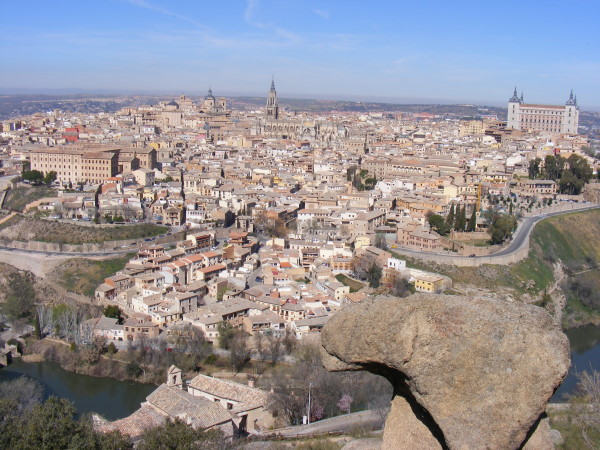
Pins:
x: 18, y: 198
x: 534, y: 268
x: 85, y: 275
x: 25, y: 228
x: 354, y: 285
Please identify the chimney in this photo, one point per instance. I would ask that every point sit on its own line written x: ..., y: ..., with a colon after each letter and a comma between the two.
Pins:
x: 251, y: 382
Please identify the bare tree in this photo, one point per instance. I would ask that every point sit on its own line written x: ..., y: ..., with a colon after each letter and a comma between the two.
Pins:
x: 585, y: 407
x: 275, y: 348
x: 260, y: 364
x: 239, y: 351
x: 46, y: 320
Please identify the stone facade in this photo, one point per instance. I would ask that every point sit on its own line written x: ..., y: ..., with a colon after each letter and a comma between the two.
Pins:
x: 552, y: 118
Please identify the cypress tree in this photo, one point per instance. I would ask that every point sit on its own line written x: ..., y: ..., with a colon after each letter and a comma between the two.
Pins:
x: 450, y: 216
x: 461, y: 219
x: 473, y: 221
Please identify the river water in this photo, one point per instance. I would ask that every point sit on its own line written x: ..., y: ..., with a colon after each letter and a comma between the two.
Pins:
x: 585, y: 355
x: 111, y: 398
x: 114, y: 399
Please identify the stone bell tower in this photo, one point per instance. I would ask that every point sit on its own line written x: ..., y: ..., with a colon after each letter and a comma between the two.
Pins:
x: 174, y: 377
x: 272, y: 106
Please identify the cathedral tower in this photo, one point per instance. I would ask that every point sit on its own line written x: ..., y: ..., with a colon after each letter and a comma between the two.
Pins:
x: 272, y: 106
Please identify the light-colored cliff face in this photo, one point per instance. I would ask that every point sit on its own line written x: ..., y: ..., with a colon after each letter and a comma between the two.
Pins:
x: 470, y: 372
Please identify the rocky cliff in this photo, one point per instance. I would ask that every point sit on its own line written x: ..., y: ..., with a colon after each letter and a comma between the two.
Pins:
x: 467, y: 372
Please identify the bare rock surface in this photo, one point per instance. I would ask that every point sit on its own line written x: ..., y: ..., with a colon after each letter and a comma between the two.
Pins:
x: 474, y: 372
x: 363, y: 444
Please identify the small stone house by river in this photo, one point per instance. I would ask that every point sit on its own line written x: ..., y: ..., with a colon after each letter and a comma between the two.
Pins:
x: 205, y: 403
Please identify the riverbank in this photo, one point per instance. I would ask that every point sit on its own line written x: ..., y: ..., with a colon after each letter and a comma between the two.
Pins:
x: 112, y: 399
x: 150, y: 366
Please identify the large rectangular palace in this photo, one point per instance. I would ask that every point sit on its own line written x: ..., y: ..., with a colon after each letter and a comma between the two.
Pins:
x: 552, y: 118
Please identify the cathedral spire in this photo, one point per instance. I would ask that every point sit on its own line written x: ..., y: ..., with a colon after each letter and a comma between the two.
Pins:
x: 572, y: 100
x: 515, y: 97
x: 272, y: 104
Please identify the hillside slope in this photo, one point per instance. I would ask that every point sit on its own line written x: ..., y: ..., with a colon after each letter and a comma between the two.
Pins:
x: 570, y: 241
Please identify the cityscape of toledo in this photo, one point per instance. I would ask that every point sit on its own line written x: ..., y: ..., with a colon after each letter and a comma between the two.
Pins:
x: 321, y: 225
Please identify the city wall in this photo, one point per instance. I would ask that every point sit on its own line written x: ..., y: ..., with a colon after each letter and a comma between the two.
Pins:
x: 100, y: 247
x: 466, y: 261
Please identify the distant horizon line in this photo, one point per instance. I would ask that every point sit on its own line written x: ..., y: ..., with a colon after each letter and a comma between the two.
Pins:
x: 293, y: 96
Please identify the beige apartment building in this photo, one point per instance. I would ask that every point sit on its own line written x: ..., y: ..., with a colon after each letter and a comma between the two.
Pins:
x: 77, y: 164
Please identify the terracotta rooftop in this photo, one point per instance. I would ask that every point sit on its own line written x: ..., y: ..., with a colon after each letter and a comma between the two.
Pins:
x: 247, y: 397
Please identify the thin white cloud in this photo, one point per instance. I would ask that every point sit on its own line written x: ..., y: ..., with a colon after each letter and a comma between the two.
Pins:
x: 321, y: 13
x: 249, y: 17
x: 160, y: 10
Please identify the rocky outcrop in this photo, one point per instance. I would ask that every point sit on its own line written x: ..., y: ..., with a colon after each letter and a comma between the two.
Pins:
x: 467, y: 373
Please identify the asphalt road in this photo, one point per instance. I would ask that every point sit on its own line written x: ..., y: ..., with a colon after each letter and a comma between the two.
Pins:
x: 525, y: 228
x: 518, y: 239
x: 369, y: 419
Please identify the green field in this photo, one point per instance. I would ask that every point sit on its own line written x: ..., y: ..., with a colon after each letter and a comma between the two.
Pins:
x: 18, y: 198
x: 354, y: 285
x: 574, y: 239
x: 85, y: 275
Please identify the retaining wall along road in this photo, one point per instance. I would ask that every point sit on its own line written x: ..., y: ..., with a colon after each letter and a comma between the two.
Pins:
x: 101, y: 247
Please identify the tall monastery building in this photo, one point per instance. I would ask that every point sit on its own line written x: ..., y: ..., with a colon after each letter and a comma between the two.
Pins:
x: 552, y: 118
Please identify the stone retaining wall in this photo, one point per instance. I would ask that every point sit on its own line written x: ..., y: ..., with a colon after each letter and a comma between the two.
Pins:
x: 101, y: 247
x: 466, y: 261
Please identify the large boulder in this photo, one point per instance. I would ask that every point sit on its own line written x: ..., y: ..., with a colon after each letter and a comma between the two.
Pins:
x: 467, y: 372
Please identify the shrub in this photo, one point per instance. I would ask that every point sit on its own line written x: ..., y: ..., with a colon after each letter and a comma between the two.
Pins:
x: 210, y: 359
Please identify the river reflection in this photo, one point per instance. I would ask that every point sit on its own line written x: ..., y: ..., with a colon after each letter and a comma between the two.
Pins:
x: 113, y: 399
x: 585, y: 355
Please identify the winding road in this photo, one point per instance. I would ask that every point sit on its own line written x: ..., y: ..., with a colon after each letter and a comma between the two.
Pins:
x: 41, y: 262
x: 519, y: 238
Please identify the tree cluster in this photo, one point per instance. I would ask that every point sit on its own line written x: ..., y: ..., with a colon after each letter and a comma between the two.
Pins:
x: 176, y: 435
x: 361, y: 181
x: 114, y: 312
x: 570, y: 173
x: 456, y: 220
x: 36, y: 177
x: 271, y: 349
x: 331, y: 393
x: 401, y: 287
x: 583, y: 416
x: 20, y: 297
x: 27, y: 423
x: 272, y: 227
x: 53, y: 424
x: 150, y: 357
x: 500, y: 226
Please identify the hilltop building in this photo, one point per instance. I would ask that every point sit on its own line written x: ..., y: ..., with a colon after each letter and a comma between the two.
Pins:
x: 310, y: 130
x: 212, y: 105
x: 272, y: 105
x: 552, y: 118
x: 77, y: 164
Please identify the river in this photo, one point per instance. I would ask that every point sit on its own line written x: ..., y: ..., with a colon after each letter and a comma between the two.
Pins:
x: 585, y: 354
x: 112, y: 399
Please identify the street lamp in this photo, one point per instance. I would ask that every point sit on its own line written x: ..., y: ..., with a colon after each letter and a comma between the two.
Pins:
x: 308, y: 415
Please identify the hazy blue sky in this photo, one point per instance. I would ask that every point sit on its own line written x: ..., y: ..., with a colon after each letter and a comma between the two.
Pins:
x: 461, y: 51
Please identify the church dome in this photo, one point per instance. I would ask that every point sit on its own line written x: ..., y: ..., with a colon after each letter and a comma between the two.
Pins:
x: 210, y: 95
